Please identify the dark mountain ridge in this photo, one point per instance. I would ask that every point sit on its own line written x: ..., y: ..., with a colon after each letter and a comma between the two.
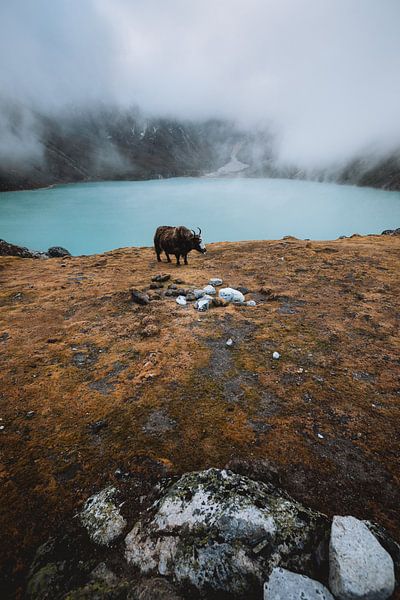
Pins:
x: 38, y: 150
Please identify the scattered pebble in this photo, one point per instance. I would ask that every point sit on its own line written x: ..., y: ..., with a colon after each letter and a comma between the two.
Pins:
x: 30, y: 414
x: 1, y: 427
x: 243, y: 289
x: 203, y: 303
x: 161, y: 277
x: 181, y: 300
x: 276, y: 355
x: 251, y: 303
x: 120, y: 474
x: 97, y: 426
x: 229, y: 342
x: 139, y: 297
x: 219, y: 302
x: 215, y: 281
x: 321, y: 437
x: 198, y: 293
x: 210, y: 290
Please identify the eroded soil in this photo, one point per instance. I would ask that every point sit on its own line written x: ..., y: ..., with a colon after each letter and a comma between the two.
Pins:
x: 95, y: 389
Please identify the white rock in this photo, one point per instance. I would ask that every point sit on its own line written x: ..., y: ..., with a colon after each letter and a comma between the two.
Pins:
x: 210, y: 290
x: 229, y: 342
x: 215, y: 281
x: 181, y: 300
x: 276, y: 355
x: 101, y: 517
x: 198, y: 293
x: 285, y: 585
x: 203, y: 303
x: 251, y: 303
x: 231, y: 295
x: 359, y: 567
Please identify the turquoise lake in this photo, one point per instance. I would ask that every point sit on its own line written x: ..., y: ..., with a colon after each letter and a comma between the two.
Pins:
x: 88, y: 218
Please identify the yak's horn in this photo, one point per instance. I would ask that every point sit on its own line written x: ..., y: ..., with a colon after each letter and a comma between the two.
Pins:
x: 193, y: 231
x: 199, y: 230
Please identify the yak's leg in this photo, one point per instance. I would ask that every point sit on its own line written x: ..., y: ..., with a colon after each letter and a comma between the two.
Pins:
x: 158, y: 252
x: 185, y: 258
x: 177, y: 259
x: 167, y: 255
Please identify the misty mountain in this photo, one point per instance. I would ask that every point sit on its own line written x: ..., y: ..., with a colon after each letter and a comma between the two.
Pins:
x: 111, y: 144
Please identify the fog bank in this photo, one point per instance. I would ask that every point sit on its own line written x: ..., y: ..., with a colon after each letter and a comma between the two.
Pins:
x: 324, y: 76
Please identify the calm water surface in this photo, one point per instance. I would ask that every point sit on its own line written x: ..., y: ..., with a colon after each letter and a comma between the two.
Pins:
x: 94, y: 217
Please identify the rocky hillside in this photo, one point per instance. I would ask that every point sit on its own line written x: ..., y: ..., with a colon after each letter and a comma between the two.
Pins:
x: 38, y: 150
x: 97, y: 390
x: 113, y: 144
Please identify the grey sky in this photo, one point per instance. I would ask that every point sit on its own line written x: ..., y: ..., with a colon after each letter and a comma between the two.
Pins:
x: 325, y: 72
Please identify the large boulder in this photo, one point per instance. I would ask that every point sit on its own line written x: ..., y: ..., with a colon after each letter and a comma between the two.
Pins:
x: 285, y: 585
x: 223, y: 533
x: 359, y: 567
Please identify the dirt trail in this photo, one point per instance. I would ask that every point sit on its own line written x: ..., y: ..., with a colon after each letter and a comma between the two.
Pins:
x: 172, y: 395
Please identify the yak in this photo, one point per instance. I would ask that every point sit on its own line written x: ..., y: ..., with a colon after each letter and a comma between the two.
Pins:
x: 178, y: 241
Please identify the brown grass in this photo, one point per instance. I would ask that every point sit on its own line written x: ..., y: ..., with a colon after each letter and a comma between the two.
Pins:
x: 74, y: 349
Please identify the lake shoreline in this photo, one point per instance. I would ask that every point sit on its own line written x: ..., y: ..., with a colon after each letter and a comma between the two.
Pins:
x: 230, y: 176
x: 95, y: 217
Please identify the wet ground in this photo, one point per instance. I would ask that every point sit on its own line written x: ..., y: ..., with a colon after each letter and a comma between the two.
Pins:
x: 95, y: 389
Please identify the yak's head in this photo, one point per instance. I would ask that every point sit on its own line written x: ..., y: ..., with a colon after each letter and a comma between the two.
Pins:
x: 197, y: 242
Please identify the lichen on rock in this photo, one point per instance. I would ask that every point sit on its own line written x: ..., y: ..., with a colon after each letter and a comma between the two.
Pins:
x: 218, y: 531
x: 101, y: 517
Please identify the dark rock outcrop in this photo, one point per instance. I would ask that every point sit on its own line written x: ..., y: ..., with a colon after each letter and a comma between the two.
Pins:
x: 7, y: 249
x: 57, y: 252
x: 391, y: 231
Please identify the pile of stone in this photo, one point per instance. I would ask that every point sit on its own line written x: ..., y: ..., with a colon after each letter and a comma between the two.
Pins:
x: 202, y: 298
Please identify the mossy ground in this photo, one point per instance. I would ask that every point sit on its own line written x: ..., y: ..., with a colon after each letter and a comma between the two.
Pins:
x: 75, y: 350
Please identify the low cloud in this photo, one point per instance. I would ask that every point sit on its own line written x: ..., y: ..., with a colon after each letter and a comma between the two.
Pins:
x: 324, y: 75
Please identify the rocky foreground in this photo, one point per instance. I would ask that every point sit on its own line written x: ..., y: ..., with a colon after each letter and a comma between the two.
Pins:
x: 98, y: 391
